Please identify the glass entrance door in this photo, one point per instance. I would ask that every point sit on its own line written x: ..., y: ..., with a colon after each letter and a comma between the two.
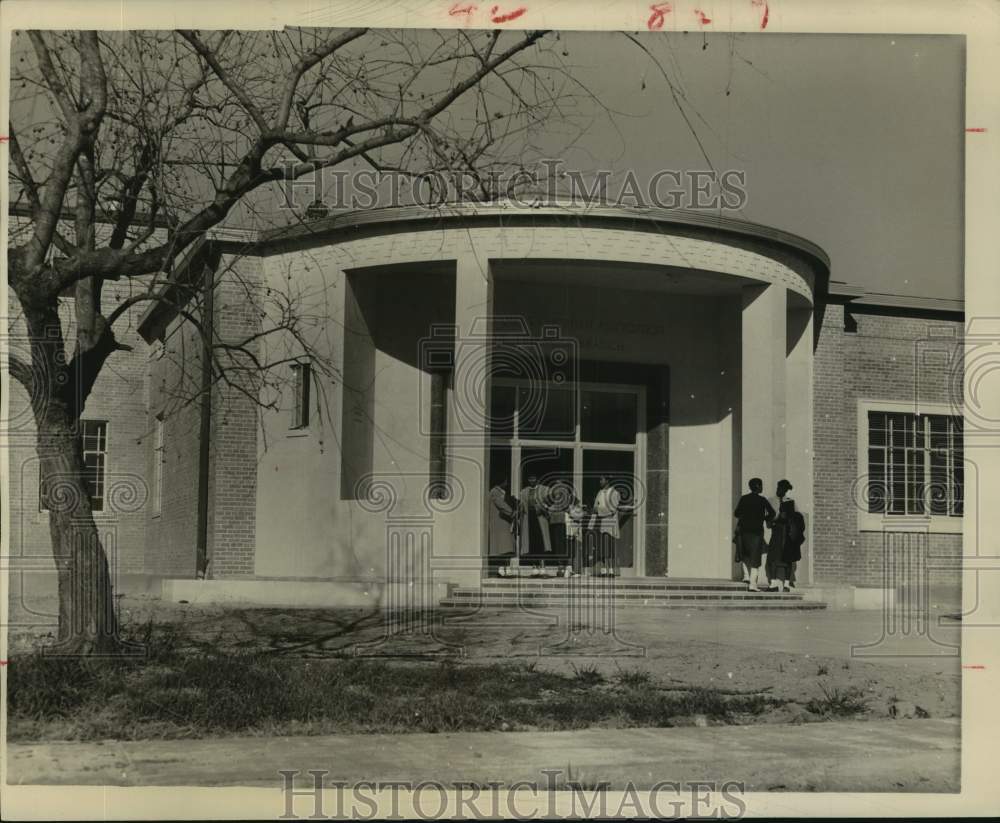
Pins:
x: 563, y: 439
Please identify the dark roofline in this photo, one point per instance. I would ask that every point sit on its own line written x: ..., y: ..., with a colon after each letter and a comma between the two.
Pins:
x: 858, y: 301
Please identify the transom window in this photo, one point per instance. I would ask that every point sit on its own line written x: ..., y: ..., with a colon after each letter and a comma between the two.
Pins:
x: 915, y: 464
x: 587, y: 414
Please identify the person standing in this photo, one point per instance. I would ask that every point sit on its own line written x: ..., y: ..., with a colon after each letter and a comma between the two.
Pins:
x: 752, y: 511
x: 607, y: 503
x: 575, y: 516
x: 785, y: 546
x: 500, y: 528
x: 566, y: 518
x: 535, y: 518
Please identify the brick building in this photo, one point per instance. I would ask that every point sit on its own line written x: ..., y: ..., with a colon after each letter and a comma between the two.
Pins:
x: 435, y: 354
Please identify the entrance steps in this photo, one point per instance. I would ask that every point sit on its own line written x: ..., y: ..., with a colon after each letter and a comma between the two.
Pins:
x: 622, y: 592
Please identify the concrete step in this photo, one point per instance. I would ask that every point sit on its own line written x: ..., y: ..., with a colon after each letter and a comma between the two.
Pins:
x: 622, y: 592
x: 650, y: 603
x: 620, y: 584
x: 605, y: 594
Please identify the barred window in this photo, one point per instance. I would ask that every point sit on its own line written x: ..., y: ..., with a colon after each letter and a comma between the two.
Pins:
x: 915, y: 464
x: 301, y: 379
x: 93, y: 436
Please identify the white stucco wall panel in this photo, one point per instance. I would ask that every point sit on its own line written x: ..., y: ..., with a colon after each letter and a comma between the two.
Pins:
x: 299, y: 487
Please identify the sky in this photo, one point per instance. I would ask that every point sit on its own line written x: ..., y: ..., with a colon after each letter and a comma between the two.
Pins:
x: 854, y: 142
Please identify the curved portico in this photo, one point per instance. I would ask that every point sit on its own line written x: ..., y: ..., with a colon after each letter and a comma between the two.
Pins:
x: 691, y: 346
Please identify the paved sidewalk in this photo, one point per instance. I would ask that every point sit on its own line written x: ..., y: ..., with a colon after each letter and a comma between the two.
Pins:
x: 891, y: 756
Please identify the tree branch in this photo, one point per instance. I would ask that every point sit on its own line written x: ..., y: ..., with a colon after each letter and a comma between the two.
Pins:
x: 81, y: 125
x: 208, y: 55
x: 85, y: 368
x: 52, y: 79
x: 306, y: 62
x: 249, y: 176
x: 31, y: 188
x: 21, y: 372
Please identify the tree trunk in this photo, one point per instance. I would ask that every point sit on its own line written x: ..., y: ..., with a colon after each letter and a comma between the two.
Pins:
x: 87, y: 620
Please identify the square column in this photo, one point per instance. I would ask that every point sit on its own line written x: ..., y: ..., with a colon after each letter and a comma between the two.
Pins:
x: 799, y: 428
x: 762, y: 431
x: 467, y: 445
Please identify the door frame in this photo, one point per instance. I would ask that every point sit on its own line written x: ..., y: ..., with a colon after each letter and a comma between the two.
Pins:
x: 577, y: 446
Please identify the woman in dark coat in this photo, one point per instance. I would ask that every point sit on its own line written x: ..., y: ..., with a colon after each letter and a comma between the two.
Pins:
x: 785, y: 545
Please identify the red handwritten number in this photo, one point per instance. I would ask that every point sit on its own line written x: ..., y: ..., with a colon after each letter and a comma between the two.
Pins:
x: 702, y: 18
x: 457, y: 9
x: 657, y: 18
x: 505, y: 18
x: 767, y: 12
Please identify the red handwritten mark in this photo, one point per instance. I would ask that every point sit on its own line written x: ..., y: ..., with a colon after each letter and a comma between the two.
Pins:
x: 657, y: 18
x: 978, y: 666
x: 767, y: 12
x: 4, y: 138
x: 506, y: 18
x: 977, y: 130
x: 4, y: 662
x: 702, y: 18
x: 457, y: 9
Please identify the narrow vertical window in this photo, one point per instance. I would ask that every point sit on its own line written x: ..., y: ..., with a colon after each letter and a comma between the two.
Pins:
x: 93, y: 438
x: 438, y: 480
x: 158, y: 457
x: 301, y: 379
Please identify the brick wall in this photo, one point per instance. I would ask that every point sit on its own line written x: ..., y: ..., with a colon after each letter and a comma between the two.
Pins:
x: 833, y: 456
x: 175, y: 394
x: 891, y: 358
x: 233, y: 461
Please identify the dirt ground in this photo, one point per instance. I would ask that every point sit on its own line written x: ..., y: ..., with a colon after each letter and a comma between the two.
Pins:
x: 795, y: 657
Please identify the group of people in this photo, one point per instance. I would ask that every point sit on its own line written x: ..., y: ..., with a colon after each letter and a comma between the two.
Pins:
x: 768, y: 564
x: 550, y: 521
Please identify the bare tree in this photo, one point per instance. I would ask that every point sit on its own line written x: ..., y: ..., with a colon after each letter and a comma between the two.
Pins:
x: 126, y: 148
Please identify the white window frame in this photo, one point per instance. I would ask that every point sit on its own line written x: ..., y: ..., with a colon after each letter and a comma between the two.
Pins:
x: 104, y: 479
x: 881, y: 522
x: 577, y: 445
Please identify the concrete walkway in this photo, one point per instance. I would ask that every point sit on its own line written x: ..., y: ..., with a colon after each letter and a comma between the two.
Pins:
x: 888, y: 756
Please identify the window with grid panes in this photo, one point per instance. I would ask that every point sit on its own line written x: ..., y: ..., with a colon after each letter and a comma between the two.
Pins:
x: 915, y: 464
x: 93, y: 436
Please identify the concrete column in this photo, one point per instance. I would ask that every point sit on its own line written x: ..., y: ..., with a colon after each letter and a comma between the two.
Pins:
x: 799, y: 421
x: 467, y: 445
x: 763, y: 332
